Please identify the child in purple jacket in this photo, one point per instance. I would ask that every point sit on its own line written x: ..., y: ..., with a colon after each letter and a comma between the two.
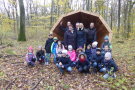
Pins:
x: 30, y: 57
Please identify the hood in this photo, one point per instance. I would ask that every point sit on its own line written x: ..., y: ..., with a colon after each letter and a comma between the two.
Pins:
x: 84, y: 56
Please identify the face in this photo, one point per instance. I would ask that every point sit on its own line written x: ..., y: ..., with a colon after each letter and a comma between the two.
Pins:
x: 82, y: 56
x: 107, y: 58
x: 55, y: 40
x: 50, y: 36
x: 70, y: 28
x: 106, y: 48
x: 30, y: 51
x: 88, y: 47
x: 68, y: 23
x: 64, y: 55
x: 106, y: 40
x: 94, y: 46
x: 77, y: 25
x: 98, y: 52
x: 81, y: 25
x: 80, y: 51
x: 59, y: 42
x: 91, y: 25
x: 70, y: 49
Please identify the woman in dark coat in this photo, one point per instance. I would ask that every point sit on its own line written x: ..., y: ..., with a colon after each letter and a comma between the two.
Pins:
x: 81, y: 36
x: 70, y: 37
x: 91, y: 34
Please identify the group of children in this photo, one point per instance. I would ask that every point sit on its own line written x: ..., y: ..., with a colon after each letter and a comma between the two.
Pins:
x: 91, y: 59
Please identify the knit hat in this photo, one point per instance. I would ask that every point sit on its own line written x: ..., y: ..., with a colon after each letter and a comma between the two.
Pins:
x: 89, y: 45
x: 106, y: 37
x: 30, y: 48
x: 64, y: 52
x: 98, y: 49
x: 39, y: 47
x: 80, y: 48
x: 95, y: 43
x: 108, y: 55
x: 55, y: 38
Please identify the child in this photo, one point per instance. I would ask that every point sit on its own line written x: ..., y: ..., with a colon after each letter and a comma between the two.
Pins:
x: 97, y: 60
x: 83, y: 64
x: 30, y: 57
x: 105, y: 50
x: 109, y: 66
x: 60, y: 47
x: 48, y: 44
x: 72, y: 55
x: 79, y: 50
x: 94, y: 47
x: 40, y: 54
x: 106, y: 42
x: 88, y: 52
x: 53, y: 48
x: 64, y: 62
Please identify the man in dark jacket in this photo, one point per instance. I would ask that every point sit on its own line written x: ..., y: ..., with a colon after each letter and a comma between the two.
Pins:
x: 40, y: 54
x: 64, y: 29
x: 91, y: 34
x: 70, y: 37
x: 81, y: 36
x: 64, y: 62
x: 77, y: 26
x: 48, y: 44
x: 83, y: 64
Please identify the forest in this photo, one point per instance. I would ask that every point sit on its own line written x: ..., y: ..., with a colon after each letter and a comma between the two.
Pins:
x: 28, y: 22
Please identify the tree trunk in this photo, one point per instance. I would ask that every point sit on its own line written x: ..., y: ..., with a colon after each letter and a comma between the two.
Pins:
x: 119, y: 6
x: 21, y: 35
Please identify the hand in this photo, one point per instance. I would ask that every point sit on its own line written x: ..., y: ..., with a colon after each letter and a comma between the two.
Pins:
x: 60, y: 64
x: 61, y: 23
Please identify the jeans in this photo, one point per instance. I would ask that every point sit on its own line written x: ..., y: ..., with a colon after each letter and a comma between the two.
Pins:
x: 103, y: 70
x: 85, y: 68
x: 73, y: 64
x: 54, y: 58
x: 31, y: 63
x: 41, y: 59
x: 94, y: 64
x: 47, y: 56
x: 69, y: 69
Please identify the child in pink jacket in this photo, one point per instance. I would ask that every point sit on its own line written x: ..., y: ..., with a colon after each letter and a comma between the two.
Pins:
x: 71, y: 53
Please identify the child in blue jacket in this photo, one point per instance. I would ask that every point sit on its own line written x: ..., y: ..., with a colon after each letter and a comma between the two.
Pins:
x: 106, y: 42
x: 53, y: 48
x: 88, y: 52
x: 109, y: 66
x: 97, y: 60
x: 64, y: 62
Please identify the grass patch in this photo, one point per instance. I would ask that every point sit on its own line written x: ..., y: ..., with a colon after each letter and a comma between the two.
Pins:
x: 10, y: 51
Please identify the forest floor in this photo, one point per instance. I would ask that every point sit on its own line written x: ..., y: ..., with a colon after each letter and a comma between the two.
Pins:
x: 14, y: 75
